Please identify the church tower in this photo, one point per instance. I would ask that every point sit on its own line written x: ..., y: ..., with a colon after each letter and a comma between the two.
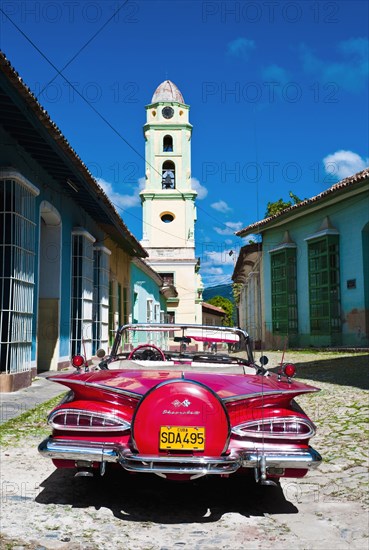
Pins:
x: 168, y: 202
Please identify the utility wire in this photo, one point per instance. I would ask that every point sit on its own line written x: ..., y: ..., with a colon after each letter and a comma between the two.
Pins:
x: 102, y: 117
x: 73, y: 87
x: 83, y: 47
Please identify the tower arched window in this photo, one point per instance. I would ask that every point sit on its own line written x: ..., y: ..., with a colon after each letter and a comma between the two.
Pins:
x: 168, y: 144
x: 168, y: 179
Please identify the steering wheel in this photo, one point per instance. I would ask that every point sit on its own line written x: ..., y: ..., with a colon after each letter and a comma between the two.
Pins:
x: 150, y: 353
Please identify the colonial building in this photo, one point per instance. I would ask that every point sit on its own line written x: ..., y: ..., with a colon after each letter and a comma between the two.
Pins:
x: 65, y: 252
x: 311, y: 271
x: 212, y: 315
x: 168, y: 202
x: 147, y: 299
x: 247, y: 273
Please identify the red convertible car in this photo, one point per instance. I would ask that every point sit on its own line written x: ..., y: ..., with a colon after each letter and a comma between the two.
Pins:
x: 181, y: 401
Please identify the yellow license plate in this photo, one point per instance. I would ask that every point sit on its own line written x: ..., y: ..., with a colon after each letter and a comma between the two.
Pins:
x: 182, y: 438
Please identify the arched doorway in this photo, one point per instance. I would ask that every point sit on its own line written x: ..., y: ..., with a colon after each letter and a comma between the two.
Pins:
x: 48, y: 326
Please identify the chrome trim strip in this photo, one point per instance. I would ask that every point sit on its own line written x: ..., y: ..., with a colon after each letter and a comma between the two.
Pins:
x: 180, y: 326
x: 65, y: 449
x: 265, y: 393
x: 112, y: 389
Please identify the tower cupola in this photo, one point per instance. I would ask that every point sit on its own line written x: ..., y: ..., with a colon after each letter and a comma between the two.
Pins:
x: 167, y: 91
x: 168, y: 199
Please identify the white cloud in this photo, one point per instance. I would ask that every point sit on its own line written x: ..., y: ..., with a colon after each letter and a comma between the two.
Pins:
x: 216, y: 276
x: 230, y: 229
x: 221, y: 206
x: 217, y: 266
x: 241, y: 47
x: 214, y: 280
x: 341, y: 164
x: 119, y: 200
x: 211, y: 270
x: 348, y: 70
x: 218, y: 258
x: 200, y: 189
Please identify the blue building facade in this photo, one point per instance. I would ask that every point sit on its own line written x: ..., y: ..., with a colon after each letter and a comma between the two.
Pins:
x: 148, y: 302
x: 58, y: 236
x: 314, y: 279
x: 147, y: 298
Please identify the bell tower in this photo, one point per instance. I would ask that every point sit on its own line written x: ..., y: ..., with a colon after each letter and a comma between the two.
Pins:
x: 168, y: 201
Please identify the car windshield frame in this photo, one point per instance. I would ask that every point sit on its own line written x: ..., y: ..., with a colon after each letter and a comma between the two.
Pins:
x: 197, y: 333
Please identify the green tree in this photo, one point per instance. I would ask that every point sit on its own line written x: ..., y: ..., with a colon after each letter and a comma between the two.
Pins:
x: 226, y: 305
x: 236, y: 291
x: 279, y: 205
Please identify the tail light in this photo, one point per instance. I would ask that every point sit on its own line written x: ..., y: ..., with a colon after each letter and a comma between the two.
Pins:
x: 78, y: 361
x: 288, y: 370
x: 282, y: 428
x: 80, y: 420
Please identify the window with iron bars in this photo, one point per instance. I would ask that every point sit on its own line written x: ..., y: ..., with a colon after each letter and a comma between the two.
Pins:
x: 324, y: 285
x: 101, y: 299
x: 284, y: 291
x: 17, y: 273
x: 82, y: 293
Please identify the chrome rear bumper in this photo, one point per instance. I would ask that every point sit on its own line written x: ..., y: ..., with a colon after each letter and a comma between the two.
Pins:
x: 63, y: 449
x: 291, y: 459
x: 190, y: 465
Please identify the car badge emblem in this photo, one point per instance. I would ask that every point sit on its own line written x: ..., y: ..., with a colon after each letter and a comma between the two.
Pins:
x: 185, y: 403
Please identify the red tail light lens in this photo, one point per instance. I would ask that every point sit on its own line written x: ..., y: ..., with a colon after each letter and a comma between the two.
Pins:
x: 289, y: 370
x: 78, y: 361
x: 282, y: 428
x: 79, y: 420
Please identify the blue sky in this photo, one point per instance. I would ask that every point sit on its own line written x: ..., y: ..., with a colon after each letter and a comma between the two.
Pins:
x: 278, y: 94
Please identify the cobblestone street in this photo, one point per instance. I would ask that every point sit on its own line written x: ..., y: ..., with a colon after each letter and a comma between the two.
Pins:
x: 42, y: 508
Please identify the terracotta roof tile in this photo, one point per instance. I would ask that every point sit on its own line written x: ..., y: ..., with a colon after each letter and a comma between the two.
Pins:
x: 345, y: 183
x: 216, y: 309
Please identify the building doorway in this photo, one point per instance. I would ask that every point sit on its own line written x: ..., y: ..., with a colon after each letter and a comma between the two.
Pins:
x: 48, y: 326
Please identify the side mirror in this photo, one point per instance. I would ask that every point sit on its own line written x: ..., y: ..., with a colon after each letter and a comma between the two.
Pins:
x: 263, y: 360
x: 100, y: 353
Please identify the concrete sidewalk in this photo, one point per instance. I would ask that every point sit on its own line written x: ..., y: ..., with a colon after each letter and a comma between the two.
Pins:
x: 15, y: 403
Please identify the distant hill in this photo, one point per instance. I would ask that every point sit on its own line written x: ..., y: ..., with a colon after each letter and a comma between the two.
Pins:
x: 219, y: 290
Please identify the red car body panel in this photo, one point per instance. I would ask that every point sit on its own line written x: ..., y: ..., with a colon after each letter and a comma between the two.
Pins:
x: 227, y: 386
x: 177, y: 420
